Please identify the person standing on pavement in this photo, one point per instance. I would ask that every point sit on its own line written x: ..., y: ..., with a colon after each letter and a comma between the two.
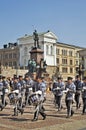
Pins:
x: 71, y: 89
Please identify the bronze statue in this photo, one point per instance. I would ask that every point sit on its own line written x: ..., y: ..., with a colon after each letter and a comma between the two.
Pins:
x: 32, y: 66
x: 36, y: 39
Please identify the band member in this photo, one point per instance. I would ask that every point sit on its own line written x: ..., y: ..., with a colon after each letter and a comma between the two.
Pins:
x: 84, y: 95
x: 23, y: 86
x: 78, y: 85
x: 5, y: 87
x: 29, y: 89
x: 42, y: 86
x: 37, y: 100
x: 58, y: 88
x: 17, y: 95
x: 1, y: 90
x: 71, y: 89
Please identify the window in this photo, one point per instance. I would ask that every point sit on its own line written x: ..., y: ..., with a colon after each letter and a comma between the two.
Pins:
x: 10, y: 64
x: 57, y: 60
x: 25, y: 51
x: 71, y: 70
x: 10, y: 55
x: 0, y: 56
x: 6, y: 63
x: 64, y: 52
x: 57, y: 51
x: 70, y: 53
x: 6, y: 56
x: 47, y: 49
x: 64, y: 61
x: 14, y: 63
x: 57, y: 69
x: 51, y: 49
x: 71, y: 62
x: 64, y: 70
x: 77, y: 55
x: 77, y: 63
x: 14, y: 55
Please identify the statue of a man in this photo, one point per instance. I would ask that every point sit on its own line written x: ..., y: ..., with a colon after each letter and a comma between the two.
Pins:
x: 32, y: 66
x: 36, y: 39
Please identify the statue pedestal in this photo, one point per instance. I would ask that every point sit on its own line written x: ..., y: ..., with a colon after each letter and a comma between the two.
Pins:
x: 36, y: 54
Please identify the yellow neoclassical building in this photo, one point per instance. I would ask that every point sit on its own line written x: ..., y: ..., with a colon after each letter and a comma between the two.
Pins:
x: 67, y: 59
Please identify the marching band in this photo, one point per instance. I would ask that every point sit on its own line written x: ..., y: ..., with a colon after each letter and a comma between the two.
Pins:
x: 29, y: 91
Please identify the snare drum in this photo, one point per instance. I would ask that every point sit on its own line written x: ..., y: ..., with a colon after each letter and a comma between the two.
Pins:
x: 30, y: 89
x: 34, y: 99
x: 11, y: 96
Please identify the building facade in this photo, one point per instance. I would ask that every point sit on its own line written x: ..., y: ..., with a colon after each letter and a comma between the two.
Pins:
x: 67, y: 60
x: 9, y: 56
x: 82, y: 54
x: 47, y: 42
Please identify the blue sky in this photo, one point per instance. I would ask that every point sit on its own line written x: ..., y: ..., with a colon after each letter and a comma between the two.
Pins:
x: 65, y: 18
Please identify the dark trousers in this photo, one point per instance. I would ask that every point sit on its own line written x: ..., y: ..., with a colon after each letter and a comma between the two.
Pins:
x: 3, y: 101
x: 84, y: 105
x: 27, y: 100
x: 77, y: 99
x: 58, y: 101
x: 18, y: 108
x: 39, y: 110
x: 69, y: 107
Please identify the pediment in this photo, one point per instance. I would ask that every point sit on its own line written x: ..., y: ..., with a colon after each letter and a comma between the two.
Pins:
x: 50, y: 35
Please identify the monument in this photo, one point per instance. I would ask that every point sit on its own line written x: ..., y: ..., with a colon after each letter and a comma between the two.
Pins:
x: 36, y: 64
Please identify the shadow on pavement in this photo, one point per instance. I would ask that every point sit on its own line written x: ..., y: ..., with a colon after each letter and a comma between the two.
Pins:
x: 60, y: 116
x: 17, y: 119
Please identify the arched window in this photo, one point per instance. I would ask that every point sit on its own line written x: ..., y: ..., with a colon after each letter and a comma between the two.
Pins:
x: 51, y: 50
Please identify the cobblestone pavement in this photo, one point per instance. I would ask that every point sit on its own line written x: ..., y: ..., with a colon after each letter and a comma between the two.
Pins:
x: 54, y: 121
